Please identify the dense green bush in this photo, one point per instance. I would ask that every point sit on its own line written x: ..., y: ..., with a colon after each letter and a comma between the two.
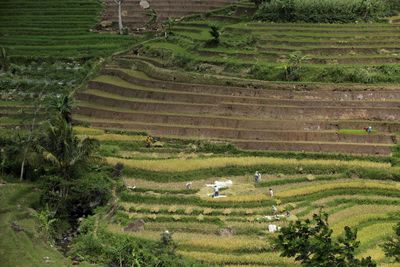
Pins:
x: 394, y: 7
x: 311, y: 243
x: 96, y: 245
x: 322, y: 11
x: 92, y: 189
x: 373, y: 74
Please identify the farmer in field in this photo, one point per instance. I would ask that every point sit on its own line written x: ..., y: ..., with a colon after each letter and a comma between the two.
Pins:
x: 368, y: 129
x: 257, y: 177
x: 216, y: 191
x: 149, y: 141
x: 189, y: 185
x: 271, y: 193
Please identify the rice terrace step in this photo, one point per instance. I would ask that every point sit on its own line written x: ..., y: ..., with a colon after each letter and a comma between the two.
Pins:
x: 154, y: 99
x: 198, y: 133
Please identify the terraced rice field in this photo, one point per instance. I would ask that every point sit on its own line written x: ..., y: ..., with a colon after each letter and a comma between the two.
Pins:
x: 197, y: 221
x: 344, y: 44
x: 55, y: 29
x: 52, y: 49
x: 259, y: 116
x: 136, y: 17
x: 15, y: 114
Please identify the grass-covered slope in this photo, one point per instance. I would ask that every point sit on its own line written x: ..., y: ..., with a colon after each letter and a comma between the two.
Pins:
x: 26, y: 247
x: 55, y: 29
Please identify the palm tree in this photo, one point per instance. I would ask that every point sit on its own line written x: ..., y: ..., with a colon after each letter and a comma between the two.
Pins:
x: 61, y: 147
x: 64, y: 150
x: 63, y: 106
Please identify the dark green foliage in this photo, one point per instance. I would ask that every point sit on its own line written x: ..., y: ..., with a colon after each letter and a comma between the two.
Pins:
x: 392, y: 245
x: 63, y: 105
x: 72, y: 180
x: 215, y: 34
x: 4, y: 60
x: 168, y: 24
x: 374, y: 74
x: 277, y: 10
x: 243, y: 41
x: 310, y: 242
x: 218, y: 148
x: 72, y: 199
x: 152, y: 15
x: 294, y: 66
x: 96, y: 245
x: 257, y: 3
x: 394, y: 6
x: 71, y: 187
x: 322, y: 11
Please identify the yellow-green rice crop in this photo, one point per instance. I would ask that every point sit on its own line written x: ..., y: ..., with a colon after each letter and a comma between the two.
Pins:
x: 87, y: 131
x: 240, y: 198
x: 344, y: 214
x: 210, y: 241
x: 179, y: 165
x: 119, y: 137
x: 376, y: 233
x: 351, y: 184
x: 354, y: 221
x: 186, y: 226
x: 376, y: 253
x: 269, y: 259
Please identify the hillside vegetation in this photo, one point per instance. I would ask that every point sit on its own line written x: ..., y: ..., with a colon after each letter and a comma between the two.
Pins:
x: 356, y: 199
x: 109, y: 143
x: 323, y: 11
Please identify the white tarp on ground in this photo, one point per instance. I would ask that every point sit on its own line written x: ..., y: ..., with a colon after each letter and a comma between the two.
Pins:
x: 221, y: 184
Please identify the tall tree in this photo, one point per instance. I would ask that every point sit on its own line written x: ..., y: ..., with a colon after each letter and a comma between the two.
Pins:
x: 29, y: 143
x: 69, y: 186
x: 61, y: 147
x: 311, y: 243
x: 120, y: 25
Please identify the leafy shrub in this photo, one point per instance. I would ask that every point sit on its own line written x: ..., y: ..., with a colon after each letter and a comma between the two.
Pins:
x: 181, y: 60
x: 374, y: 74
x: 111, y: 249
x: 311, y: 243
x: 294, y: 66
x: 217, y: 148
x: 277, y: 10
x: 392, y: 245
x: 84, y: 194
x: 215, y: 34
x: 394, y: 7
x: 322, y: 11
